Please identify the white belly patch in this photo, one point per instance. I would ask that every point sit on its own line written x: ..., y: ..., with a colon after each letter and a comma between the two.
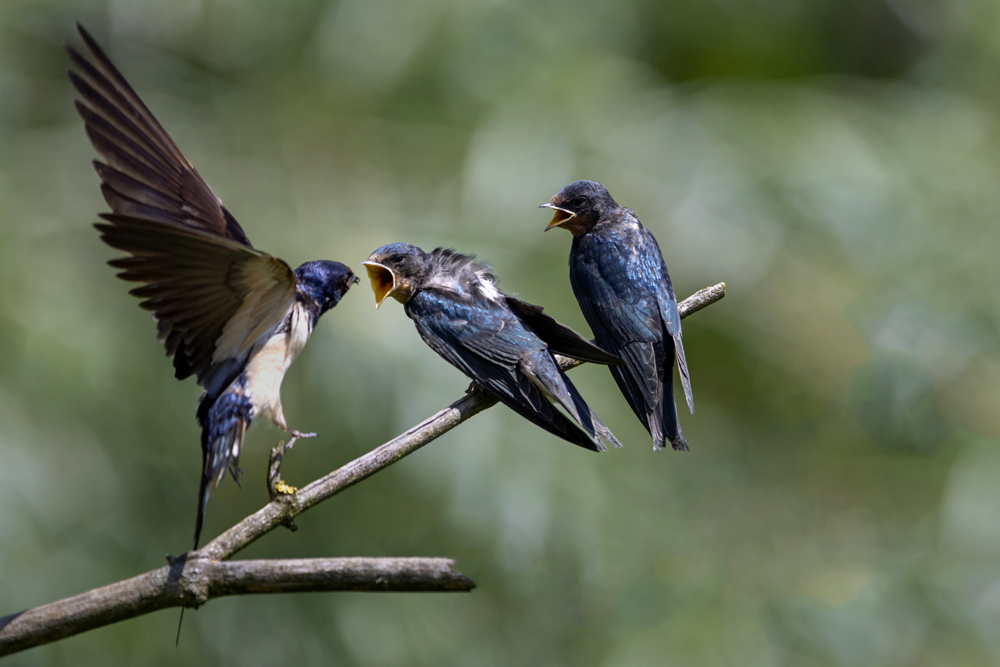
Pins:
x: 268, y: 365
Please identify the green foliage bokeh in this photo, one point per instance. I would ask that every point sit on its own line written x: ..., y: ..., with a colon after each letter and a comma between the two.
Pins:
x: 836, y: 163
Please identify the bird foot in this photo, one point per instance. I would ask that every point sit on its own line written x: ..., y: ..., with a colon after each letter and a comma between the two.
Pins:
x: 275, y: 485
x: 296, y: 435
x: 284, y: 488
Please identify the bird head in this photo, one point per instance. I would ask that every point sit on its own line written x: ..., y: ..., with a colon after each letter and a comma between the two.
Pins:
x: 395, y: 270
x: 325, y: 282
x: 579, y: 206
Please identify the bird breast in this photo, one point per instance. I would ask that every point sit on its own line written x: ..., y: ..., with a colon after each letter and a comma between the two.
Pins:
x: 268, y: 365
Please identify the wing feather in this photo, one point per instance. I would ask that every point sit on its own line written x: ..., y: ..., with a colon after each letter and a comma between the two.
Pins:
x: 672, y: 325
x: 489, y: 344
x: 145, y: 175
x: 117, y: 147
x: 213, y: 298
x: 559, y: 337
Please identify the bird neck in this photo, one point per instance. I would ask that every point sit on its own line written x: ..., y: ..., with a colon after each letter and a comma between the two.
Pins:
x: 612, y: 219
x: 309, y: 307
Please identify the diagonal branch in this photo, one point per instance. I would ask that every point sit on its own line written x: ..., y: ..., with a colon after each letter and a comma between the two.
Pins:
x: 285, y: 508
x: 196, y: 577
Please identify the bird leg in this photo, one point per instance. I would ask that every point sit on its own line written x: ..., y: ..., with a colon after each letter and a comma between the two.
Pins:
x: 275, y: 485
x: 284, y: 488
x: 296, y: 435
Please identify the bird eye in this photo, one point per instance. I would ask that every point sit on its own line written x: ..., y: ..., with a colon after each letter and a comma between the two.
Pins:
x: 577, y: 201
x: 396, y: 259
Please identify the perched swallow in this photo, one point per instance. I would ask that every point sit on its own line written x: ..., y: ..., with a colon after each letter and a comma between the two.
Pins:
x: 234, y: 317
x: 505, y: 345
x: 621, y: 282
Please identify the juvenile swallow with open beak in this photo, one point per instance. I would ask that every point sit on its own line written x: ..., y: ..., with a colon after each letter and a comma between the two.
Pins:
x: 504, y: 344
x: 621, y: 282
x: 234, y: 317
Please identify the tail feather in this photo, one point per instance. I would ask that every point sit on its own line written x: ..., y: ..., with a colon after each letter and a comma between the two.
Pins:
x: 222, y: 454
x: 682, y: 367
x: 541, y: 369
x: 203, y: 493
x: 670, y: 425
x: 224, y: 423
x: 604, y: 432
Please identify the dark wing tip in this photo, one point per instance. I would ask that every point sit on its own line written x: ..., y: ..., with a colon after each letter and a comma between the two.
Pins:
x: 78, y: 59
x: 86, y: 36
x: 599, y: 355
x: 123, y: 130
x: 81, y: 108
x: 78, y: 81
x: 88, y: 39
x: 559, y: 337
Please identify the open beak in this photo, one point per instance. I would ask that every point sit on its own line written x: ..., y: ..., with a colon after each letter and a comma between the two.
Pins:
x: 383, y: 281
x: 561, y: 217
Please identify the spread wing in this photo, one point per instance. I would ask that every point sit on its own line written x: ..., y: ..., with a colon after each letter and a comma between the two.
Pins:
x: 212, y: 295
x: 212, y: 298
x: 488, y: 343
x: 559, y: 337
x: 146, y: 175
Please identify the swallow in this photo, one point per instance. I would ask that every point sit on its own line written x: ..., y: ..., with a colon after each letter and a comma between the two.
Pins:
x: 232, y: 316
x: 503, y: 344
x: 622, y: 285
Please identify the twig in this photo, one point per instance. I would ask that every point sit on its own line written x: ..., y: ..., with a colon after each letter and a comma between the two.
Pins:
x: 197, y: 577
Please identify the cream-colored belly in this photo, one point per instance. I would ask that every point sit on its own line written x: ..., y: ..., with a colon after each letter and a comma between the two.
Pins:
x: 269, y: 364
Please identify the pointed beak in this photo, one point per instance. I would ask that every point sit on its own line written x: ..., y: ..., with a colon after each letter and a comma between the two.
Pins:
x: 383, y: 281
x: 561, y: 217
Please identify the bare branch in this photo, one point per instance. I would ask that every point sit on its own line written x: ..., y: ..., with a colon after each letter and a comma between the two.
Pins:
x: 194, y: 581
x: 701, y: 299
x: 295, y: 575
x: 197, y: 577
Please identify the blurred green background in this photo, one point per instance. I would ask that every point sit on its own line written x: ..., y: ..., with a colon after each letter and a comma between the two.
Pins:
x: 836, y: 162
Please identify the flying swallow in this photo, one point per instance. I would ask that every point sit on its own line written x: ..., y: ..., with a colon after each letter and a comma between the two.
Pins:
x: 621, y: 282
x: 232, y: 316
x: 504, y: 344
